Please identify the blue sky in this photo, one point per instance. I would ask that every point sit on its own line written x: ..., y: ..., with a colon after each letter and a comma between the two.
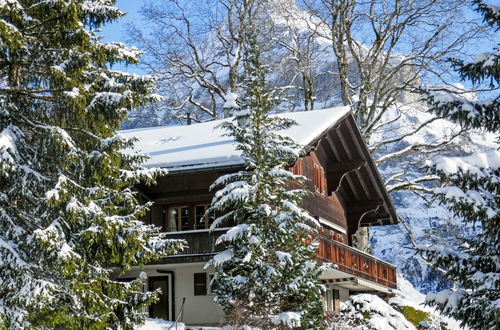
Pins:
x: 117, y: 30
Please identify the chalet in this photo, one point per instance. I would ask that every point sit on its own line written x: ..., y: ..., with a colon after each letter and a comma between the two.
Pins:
x: 347, y: 194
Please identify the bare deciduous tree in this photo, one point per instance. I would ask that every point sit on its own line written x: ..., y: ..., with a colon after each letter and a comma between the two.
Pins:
x: 383, y: 50
x: 195, y: 48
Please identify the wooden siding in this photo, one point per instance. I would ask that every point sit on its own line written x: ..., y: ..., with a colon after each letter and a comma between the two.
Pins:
x: 193, y: 188
x: 319, y: 203
x: 328, y: 208
x: 182, y: 188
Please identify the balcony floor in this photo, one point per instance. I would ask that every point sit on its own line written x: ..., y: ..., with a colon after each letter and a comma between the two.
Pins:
x: 352, y: 283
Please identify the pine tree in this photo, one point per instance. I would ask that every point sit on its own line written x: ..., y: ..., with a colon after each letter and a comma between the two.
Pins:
x: 68, y: 213
x: 471, y: 190
x: 267, y: 275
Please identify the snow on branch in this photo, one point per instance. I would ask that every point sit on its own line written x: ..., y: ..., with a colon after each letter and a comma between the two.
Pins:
x: 472, y: 165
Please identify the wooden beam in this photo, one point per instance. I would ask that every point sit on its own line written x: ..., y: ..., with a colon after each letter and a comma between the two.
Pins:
x: 346, y: 153
x: 359, y: 145
x: 346, y: 166
x: 334, y: 150
x: 373, y: 222
x: 339, y: 171
x: 340, y: 159
x: 178, y: 198
x: 338, y: 280
x: 354, y: 189
x: 327, y: 150
x: 356, y: 211
x: 345, y: 145
x: 361, y: 207
x: 364, y: 185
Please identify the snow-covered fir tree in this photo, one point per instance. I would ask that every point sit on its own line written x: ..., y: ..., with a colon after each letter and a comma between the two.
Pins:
x: 68, y: 214
x: 267, y: 275
x: 471, y: 190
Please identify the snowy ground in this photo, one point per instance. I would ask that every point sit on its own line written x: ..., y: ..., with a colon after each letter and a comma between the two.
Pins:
x: 382, y: 316
x: 158, y: 324
x: 407, y: 295
x: 372, y: 312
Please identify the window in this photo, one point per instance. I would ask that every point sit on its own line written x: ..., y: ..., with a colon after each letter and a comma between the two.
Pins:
x: 202, y: 220
x: 156, y: 216
x: 200, y: 284
x: 172, y: 219
x: 181, y: 218
x: 328, y: 298
x: 319, y: 179
x: 178, y: 218
x: 336, y: 301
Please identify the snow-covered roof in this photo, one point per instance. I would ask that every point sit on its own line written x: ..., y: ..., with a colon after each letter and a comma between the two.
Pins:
x: 202, y: 145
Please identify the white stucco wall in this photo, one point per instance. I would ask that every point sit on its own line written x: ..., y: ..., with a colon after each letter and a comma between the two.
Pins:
x: 197, y: 309
x: 343, y: 293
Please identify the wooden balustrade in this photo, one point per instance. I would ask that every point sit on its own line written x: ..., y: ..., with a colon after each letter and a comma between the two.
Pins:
x: 356, y: 262
x: 201, y: 246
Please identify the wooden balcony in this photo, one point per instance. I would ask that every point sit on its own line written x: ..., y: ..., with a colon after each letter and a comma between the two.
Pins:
x: 201, y: 247
x: 355, y: 262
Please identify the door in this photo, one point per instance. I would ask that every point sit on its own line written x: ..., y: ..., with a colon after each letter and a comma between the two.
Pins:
x: 162, y: 309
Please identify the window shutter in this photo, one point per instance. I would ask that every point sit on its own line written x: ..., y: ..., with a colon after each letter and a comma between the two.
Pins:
x: 319, y: 179
x: 200, y: 284
x: 297, y: 168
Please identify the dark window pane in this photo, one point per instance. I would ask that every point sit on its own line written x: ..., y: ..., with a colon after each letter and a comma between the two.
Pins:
x: 185, y: 218
x: 200, y: 284
x: 200, y: 217
x: 211, y: 218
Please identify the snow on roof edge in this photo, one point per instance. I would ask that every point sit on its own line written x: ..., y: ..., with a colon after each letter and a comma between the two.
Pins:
x: 202, y: 146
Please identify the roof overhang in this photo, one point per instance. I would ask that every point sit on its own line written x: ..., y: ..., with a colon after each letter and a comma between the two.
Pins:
x: 204, y: 145
x: 353, y: 176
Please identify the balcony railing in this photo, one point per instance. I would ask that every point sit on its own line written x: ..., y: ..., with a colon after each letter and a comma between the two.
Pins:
x: 355, y: 262
x: 201, y: 246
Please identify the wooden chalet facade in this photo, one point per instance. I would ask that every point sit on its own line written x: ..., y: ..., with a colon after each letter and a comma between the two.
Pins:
x: 347, y: 193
